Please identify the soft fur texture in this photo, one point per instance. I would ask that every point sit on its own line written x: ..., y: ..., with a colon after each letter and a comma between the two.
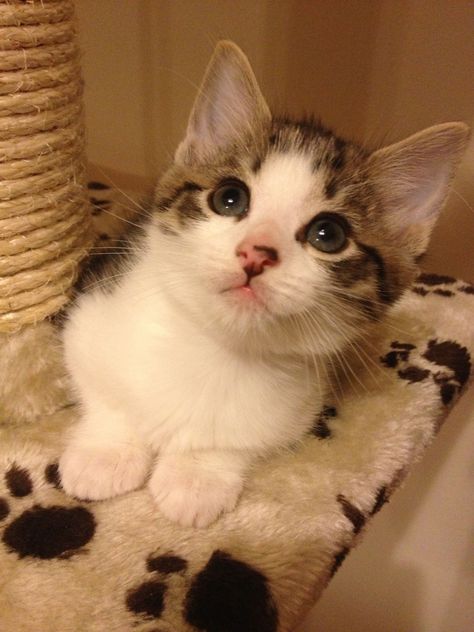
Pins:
x: 214, y: 345
x: 120, y: 565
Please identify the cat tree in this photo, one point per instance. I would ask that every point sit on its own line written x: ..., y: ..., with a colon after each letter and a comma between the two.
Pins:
x: 119, y: 565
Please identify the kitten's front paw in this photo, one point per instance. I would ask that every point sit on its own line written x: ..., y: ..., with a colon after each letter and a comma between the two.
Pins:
x: 97, y: 473
x: 192, y: 495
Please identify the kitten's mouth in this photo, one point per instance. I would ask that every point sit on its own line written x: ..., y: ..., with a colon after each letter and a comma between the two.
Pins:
x: 244, y: 292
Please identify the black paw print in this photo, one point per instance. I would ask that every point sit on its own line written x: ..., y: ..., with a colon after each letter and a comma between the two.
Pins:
x: 446, y: 362
x: 99, y: 196
x: 321, y: 428
x: 358, y: 519
x: 147, y: 599
x: 440, y: 285
x: 42, y: 532
x: 226, y: 594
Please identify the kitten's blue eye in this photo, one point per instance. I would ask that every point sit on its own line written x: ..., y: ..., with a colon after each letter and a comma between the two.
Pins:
x: 327, y: 235
x: 230, y: 199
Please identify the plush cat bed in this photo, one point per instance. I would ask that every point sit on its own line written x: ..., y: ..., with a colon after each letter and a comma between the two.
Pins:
x: 68, y: 565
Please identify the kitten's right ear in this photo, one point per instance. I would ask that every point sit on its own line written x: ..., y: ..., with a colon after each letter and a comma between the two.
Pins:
x: 228, y: 105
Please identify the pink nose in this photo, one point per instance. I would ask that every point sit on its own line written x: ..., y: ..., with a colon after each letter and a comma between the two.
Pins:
x: 254, y: 258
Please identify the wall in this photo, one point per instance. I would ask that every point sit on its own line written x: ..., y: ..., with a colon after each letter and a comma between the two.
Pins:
x: 143, y: 62
x: 375, y: 70
x: 422, y: 74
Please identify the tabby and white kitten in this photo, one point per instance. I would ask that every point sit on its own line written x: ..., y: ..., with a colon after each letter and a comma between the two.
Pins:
x: 272, y: 244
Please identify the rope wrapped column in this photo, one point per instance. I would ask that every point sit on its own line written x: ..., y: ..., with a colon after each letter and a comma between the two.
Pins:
x: 44, y: 219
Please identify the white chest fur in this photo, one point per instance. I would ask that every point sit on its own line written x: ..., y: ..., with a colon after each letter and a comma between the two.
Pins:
x: 180, y: 388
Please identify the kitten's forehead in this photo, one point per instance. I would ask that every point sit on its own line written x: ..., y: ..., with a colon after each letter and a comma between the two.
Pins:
x: 287, y: 185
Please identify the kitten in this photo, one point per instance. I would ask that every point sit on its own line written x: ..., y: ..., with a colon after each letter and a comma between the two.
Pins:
x: 271, y: 245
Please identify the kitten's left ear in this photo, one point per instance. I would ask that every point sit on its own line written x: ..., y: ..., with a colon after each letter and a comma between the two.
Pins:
x: 228, y: 105
x: 412, y: 179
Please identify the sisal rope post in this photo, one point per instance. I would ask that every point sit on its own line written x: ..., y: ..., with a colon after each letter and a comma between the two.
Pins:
x: 44, y: 219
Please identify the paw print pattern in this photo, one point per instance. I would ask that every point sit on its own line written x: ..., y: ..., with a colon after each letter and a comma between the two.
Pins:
x: 446, y: 362
x: 147, y: 600
x: 230, y: 595
x: 42, y: 532
x: 113, y: 212
x: 116, y: 217
x: 99, y: 197
x: 227, y: 594
x: 440, y: 285
x: 321, y: 428
x: 358, y: 519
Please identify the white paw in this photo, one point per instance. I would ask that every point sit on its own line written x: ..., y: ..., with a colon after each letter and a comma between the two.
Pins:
x: 191, y: 494
x: 97, y: 473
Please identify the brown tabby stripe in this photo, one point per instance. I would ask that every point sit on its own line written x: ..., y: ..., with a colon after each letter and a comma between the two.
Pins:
x: 349, y: 271
x: 331, y: 188
x: 188, y: 208
x: 257, y: 164
x: 166, y: 230
x: 167, y: 202
x: 382, y: 288
x: 369, y: 309
x: 339, y: 159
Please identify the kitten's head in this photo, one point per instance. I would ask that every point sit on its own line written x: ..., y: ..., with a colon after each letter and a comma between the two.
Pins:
x: 279, y: 231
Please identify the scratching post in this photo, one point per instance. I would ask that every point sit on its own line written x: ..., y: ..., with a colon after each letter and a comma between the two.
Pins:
x: 43, y: 208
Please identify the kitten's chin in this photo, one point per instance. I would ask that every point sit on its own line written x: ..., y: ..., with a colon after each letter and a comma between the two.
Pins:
x: 250, y: 318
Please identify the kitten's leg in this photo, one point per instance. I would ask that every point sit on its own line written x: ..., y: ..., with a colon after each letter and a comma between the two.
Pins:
x: 104, y: 456
x: 196, y: 487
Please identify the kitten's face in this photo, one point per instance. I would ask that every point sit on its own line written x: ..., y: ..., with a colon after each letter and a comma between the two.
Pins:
x: 263, y: 241
x: 281, y: 229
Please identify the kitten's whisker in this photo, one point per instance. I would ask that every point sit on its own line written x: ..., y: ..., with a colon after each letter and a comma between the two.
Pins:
x: 344, y: 363
x: 117, y: 188
x: 303, y: 316
x: 322, y: 334
x: 180, y: 75
x: 406, y: 332
x: 304, y: 358
x: 111, y: 252
x: 360, y: 350
x: 122, y: 219
x: 103, y: 282
x: 116, y: 244
x: 354, y: 342
x: 463, y: 199
x: 143, y: 211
